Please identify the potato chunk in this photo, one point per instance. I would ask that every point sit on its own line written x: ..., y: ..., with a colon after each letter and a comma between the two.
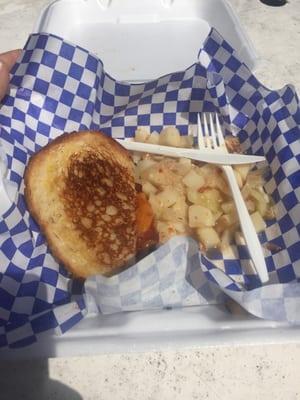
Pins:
x: 153, y: 138
x: 141, y: 135
x: 243, y: 171
x: 193, y: 180
x: 200, y: 216
x: 226, y: 239
x: 161, y: 175
x: 148, y: 188
x: 258, y: 222
x: 208, y: 237
x: 168, y: 197
x: 228, y: 207
x: 223, y: 223
x: 209, y: 198
x: 186, y: 141
x: 170, y: 136
x: 145, y: 164
x: 261, y: 201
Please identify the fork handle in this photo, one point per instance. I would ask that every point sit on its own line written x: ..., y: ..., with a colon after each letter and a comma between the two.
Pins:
x: 250, y: 235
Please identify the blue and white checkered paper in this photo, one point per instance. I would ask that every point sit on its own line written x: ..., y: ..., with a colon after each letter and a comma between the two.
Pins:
x: 58, y: 87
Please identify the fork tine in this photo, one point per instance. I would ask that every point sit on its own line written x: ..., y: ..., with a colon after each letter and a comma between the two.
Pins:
x: 191, y: 134
x: 219, y: 132
x: 200, y: 135
x: 213, y: 131
x: 206, y: 132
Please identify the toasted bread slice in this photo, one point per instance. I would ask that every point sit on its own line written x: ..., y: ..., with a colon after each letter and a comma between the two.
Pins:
x: 80, y: 189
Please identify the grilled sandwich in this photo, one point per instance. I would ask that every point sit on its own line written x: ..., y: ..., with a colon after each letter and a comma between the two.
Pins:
x: 80, y: 189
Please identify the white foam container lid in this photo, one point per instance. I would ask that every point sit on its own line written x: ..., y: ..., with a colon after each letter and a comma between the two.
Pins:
x: 145, y: 39
x: 140, y: 40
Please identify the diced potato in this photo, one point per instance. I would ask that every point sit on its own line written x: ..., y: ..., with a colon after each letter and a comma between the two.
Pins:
x: 170, y: 136
x: 258, y: 222
x: 255, y: 178
x: 158, y: 158
x: 239, y: 238
x: 180, y: 228
x: 261, y: 201
x: 156, y: 175
x: 228, y: 207
x: 169, y: 229
x: 145, y: 164
x: 264, y: 194
x: 250, y: 204
x: 161, y: 175
x: 168, y: 197
x: 217, y: 214
x: 208, y: 237
x: 210, y: 198
x: 200, y: 216
x: 270, y: 213
x: 156, y: 205
x: 162, y: 228
x: 226, y: 239
x: 246, y: 191
x: 227, y: 221
x: 136, y: 157
x: 208, y: 170
x: 233, y: 144
x: 193, y: 180
x: 192, y: 196
x: 257, y: 195
x: 214, y: 177
x: 223, y: 223
x: 153, y: 138
x: 235, y: 219
x: 148, y: 188
x: 198, y: 170
x: 180, y: 167
x: 181, y: 209
x: 218, y: 181
x: 186, y: 141
x: 168, y: 215
x: 185, y: 161
x: 243, y: 170
x: 183, y: 166
x: 141, y: 134
x: 165, y: 230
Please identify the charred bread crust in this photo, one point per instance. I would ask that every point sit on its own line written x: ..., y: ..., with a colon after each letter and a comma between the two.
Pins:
x: 70, y: 184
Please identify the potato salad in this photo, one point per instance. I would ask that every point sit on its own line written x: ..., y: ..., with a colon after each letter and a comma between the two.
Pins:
x: 194, y: 199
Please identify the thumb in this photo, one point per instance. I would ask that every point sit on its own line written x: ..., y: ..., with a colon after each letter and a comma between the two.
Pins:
x: 4, y: 79
x: 7, y: 60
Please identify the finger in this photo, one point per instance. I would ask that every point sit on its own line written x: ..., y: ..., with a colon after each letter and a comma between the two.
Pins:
x: 4, y: 79
x: 9, y: 58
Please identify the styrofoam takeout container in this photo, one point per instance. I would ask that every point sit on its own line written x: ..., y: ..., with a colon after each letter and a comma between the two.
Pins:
x: 141, y: 40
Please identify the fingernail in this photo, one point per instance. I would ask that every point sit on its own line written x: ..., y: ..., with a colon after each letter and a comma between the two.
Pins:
x: 1, y: 64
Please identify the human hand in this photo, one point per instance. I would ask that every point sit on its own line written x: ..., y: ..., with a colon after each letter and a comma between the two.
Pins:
x: 7, y: 61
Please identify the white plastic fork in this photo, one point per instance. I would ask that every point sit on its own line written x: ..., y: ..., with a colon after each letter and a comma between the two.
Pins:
x: 194, y: 154
x: 212, y: 138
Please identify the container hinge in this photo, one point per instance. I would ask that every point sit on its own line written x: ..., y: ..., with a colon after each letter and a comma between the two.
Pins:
x: 167, y: 3
x: 104, y: 3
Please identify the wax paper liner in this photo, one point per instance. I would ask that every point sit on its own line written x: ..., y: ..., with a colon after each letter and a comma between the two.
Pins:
x: 58, y: 87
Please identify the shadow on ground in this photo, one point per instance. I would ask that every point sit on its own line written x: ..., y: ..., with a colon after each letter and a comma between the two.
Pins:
x: 29, y: 380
